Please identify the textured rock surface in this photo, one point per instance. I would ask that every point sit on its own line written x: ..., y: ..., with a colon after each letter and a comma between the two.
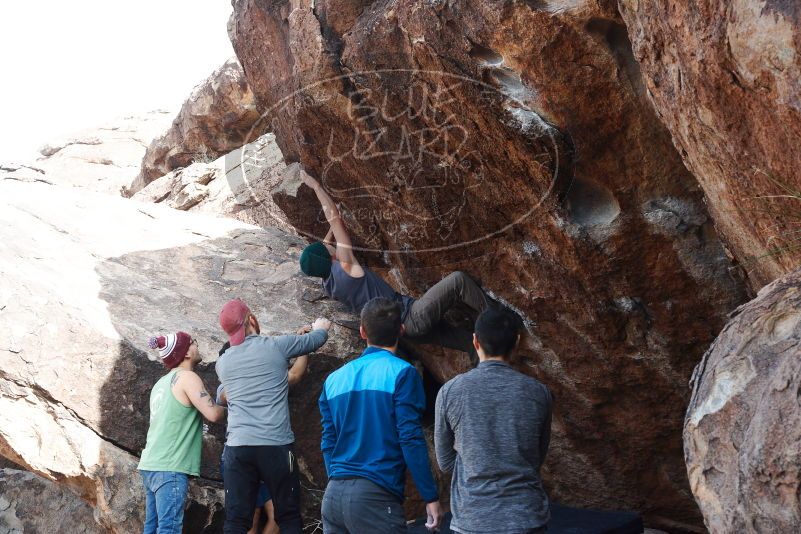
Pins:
x: 103, y: 159
x: 725, y: 77
x: 86, y: 279
x: 217, y: 118
x: 514, y: 140
x: 32, y: 504
x: 237, y: 185
x: 742, y: 436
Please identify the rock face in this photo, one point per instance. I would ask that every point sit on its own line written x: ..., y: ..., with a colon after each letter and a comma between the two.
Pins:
x: 743, y: 427
x: 514, y: 140
x: 102, y: 159
x: 725, y: 77
x: 217, y: 118
x: 31, y: 504
x: 237, y: 185
x: 86, y: 279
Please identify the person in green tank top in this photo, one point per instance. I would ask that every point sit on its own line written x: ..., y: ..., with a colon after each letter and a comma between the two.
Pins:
x: 174, y: 437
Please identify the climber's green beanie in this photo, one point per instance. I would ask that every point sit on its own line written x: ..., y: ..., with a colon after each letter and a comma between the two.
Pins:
x: 316, y: 261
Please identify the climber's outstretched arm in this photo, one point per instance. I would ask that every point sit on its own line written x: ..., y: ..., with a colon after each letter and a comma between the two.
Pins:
x: 344, y: 247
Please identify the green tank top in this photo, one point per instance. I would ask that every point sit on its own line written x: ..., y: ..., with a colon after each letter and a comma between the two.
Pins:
x: 174, y: 437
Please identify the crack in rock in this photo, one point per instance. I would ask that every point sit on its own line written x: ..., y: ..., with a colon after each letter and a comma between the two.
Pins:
x: 44, y: 395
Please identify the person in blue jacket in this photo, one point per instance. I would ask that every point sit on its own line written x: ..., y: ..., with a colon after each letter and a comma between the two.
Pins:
x: 372, y: 432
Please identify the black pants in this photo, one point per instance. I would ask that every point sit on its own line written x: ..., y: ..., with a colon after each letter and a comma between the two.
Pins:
x: 426, y: 323
x: 244, y: 468
x: 359, y: 506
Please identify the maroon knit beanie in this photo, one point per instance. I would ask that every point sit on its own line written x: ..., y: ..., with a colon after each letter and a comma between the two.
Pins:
x: 172, y: 348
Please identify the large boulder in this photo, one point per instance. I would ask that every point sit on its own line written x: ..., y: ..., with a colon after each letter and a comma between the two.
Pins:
x: 218, y: 117
x: 742, y: 435
x: 237, y: 185
x: 725, y: 77
x: 86, y: 278
x: 514, y: 140
x: 32, y: 504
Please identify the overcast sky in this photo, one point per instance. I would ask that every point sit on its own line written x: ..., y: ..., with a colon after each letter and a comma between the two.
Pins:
x: 70, y: 65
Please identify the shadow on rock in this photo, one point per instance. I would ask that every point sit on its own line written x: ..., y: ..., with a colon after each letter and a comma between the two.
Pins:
x: 183, y: 288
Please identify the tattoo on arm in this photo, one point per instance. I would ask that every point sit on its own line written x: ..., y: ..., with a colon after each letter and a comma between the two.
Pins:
x: 209, y: 401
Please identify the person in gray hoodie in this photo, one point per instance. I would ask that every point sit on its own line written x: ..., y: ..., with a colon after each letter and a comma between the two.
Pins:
x: 492, y: 429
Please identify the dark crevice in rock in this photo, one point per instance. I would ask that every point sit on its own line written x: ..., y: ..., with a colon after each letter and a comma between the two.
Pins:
x: 40, y: 219
x: 507, y: 81
x: 431, y: 386
x: 40, y: 180
x: 11, y: 167
x: 203, y: 519
x: 616, y: 38
x: 48, y: 398
x: 48, y: 151
x: 485, y: 56
x: 589, y: 203
x: 6, y: 463
x: 332, y: 40
x: 537, y: 5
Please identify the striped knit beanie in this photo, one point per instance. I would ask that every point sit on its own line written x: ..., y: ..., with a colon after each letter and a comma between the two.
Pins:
x: 172, y: 348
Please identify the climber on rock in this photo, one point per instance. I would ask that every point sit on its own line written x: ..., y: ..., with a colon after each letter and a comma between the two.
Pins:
x: 345, y: 279
x: 174, y: 437
x: 260, y: 443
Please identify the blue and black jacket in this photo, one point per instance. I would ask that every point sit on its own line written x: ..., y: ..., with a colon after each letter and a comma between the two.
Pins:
x: 372, y: 409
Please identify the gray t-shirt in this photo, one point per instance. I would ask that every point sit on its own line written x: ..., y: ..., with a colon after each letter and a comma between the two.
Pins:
x: 499, y: 421
x: 356, y: 292
x: 254, y: 375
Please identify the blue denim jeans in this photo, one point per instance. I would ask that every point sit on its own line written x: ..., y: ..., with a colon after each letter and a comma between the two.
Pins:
x: 165, y: 496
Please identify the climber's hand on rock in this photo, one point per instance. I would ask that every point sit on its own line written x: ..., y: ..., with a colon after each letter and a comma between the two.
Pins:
x: 304, y: 330
x: 321, y: 323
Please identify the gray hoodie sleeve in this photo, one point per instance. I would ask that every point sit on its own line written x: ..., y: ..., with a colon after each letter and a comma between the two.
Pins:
x: 443, y: 433
x: 291, y: 346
